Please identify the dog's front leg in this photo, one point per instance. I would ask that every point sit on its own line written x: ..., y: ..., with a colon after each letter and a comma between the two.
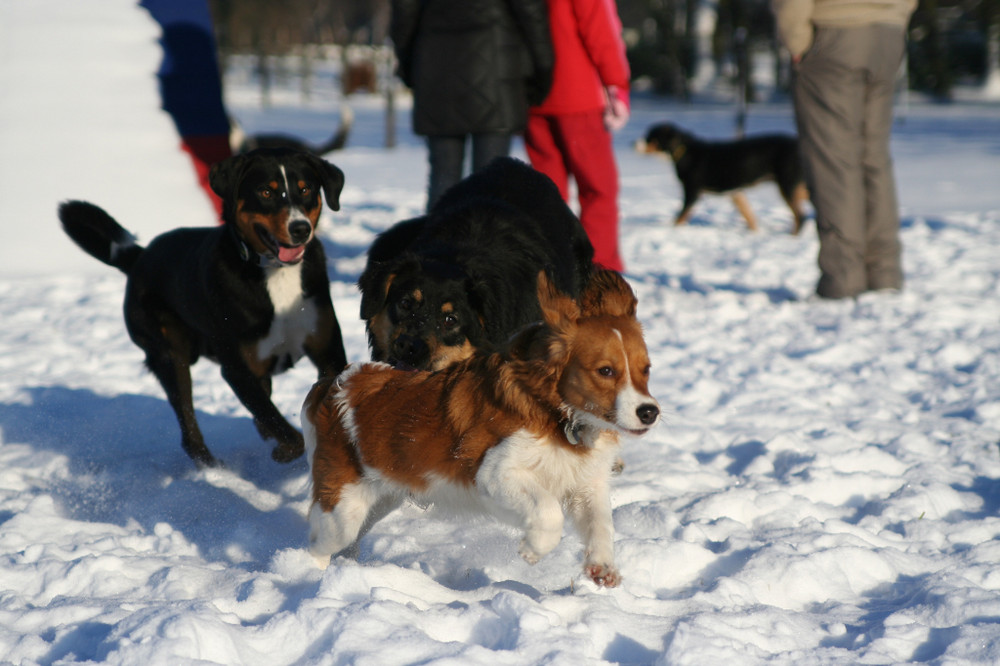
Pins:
x: 743, y: 205
x: 538, y: 511
x: 325, y: 347
x: 543, y: 524
x: 590, y: 508
x: 510, y: 483
x: 250, y: 391
x: 690, y: 196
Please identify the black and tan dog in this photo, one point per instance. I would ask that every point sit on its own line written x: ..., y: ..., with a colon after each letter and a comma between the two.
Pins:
x: 242, y: 143
x: 252, y: 294
x: 463, y: 277
x: 731, y: 166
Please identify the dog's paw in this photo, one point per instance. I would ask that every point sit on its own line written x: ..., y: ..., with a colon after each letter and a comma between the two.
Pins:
x: 322, y: 561
x: 528, y: 554
x: 604, y: 575
x: 285, y: 453
x: 208, y: 461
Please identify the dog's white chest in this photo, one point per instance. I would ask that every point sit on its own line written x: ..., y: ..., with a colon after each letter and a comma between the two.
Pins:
x: 295, y: 317
x: 548, y: 468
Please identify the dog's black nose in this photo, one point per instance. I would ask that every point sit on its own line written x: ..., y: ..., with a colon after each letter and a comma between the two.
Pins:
x: 411, y: 350
x: 647, y: 413
x: 299, y: 231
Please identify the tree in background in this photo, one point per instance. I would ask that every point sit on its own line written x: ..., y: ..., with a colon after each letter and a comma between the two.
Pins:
x: 951, y: 41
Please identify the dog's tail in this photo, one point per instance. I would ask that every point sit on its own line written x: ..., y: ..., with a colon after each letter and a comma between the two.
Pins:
x: 338, y: 140
x: 99, y: 235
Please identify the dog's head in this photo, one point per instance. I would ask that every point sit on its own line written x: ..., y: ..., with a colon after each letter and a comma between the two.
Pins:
x: 422, y: 314
x: 271, y: 199
x: 595, y: 352
x: 665, y: 139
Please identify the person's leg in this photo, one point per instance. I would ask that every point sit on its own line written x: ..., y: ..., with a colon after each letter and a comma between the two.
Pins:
x: 591, y: 161
x: 488, y: 147
x: 828, y: 91
x: 883, y: 251
x: 544, y: 152
x: 445, y: 155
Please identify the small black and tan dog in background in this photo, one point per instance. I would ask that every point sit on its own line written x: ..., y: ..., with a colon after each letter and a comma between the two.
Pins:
x: 242, y: 143
x: 730, y: 166
x: 252, y: 294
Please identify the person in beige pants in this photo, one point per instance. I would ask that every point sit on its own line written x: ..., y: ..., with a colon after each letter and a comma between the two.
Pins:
x: 846, y: 55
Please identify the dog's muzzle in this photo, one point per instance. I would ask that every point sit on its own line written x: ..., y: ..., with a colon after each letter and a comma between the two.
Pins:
x: 300, y: 232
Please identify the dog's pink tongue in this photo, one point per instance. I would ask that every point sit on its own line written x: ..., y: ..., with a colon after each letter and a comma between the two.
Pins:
x: 287, y: 255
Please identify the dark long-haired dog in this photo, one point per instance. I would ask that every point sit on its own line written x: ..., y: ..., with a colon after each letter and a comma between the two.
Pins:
x: 462, y: 277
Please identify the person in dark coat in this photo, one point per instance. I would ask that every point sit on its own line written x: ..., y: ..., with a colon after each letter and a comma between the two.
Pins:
x: 474, y: 67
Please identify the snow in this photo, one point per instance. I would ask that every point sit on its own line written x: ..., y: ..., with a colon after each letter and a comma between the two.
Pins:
x: 824, y: 487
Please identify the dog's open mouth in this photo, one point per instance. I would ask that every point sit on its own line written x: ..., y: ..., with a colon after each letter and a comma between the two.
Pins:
x: 286, y: 254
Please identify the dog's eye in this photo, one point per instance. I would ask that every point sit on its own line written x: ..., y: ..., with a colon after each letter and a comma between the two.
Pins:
x: 406, y: 304
x: 265, y: 192
x: 305, y: 191
x: 645, y: 371
x: 450, y: 321
x: 606, y: 371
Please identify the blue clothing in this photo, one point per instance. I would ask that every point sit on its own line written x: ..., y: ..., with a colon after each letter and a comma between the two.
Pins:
x: 190, y: 85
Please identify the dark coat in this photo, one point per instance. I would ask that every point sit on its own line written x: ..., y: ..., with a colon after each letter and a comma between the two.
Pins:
x: 473, y: 65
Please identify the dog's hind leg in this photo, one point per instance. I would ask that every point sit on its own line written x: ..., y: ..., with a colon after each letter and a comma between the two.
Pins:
x: 175, y: 377
x: 796, y: 199
x: 337, y: 530
x: 169, y: 354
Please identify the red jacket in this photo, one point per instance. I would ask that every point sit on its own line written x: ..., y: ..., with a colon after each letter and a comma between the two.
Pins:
x: 590, y: 55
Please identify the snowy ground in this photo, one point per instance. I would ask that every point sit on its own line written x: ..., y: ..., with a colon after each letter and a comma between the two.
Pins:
x: 825, y: 486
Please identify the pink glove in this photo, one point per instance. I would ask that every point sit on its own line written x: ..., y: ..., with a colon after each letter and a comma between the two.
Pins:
x: 617, y: 111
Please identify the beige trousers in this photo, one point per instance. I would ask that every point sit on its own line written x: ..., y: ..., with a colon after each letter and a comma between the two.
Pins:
x: 843, y: 92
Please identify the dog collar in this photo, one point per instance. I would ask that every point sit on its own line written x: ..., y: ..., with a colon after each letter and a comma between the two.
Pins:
x: 579, y: 433
x: 573, y: 430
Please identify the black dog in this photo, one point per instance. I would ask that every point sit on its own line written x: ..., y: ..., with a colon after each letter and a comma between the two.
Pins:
x: 252, y: 294
x: 730, y: 166
x: 463, y: 277
x: 242, y: 143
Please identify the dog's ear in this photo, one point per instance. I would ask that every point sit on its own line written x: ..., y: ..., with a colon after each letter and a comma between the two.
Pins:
x: 608, y: 294
x: 538, y: 352
x: 224, y: 176
x: 558, y: 309
x: 530, y: 343
x: 330, y: 177
x: 385, y: 261
x: 374, y: 284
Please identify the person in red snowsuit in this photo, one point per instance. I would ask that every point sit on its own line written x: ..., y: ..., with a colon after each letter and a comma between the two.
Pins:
x: 190, y: 84
x: 569, y: 133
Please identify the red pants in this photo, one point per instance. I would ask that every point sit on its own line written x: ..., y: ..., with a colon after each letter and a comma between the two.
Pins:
x: 204, y: 152
x: 579, y: 145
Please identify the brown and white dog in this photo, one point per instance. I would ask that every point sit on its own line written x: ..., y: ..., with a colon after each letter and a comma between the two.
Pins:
x: 520, y: 434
